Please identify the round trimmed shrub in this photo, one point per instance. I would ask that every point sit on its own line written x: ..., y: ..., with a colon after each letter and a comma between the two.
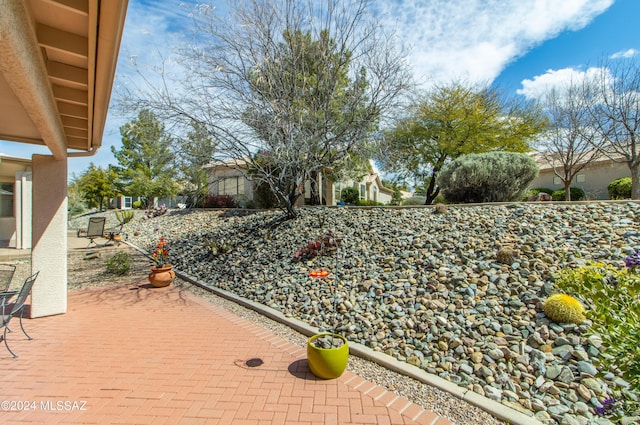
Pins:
x: 563, y: 308
x: 487, y: 177
x: 577, y: 194
x: 620, y: 188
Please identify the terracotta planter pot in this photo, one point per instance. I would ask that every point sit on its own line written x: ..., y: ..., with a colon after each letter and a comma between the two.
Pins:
x: 327, y: 363
x: 161, y: 276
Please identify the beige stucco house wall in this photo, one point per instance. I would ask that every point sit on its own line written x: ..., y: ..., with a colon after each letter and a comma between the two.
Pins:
x: 593, y: 178
x: 230, y: 180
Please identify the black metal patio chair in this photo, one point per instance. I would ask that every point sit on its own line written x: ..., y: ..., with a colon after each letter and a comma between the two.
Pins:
x: 10, y: 310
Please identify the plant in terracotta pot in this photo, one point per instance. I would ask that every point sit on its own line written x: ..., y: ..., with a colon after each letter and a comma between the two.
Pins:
x: 327, y: 352
x: 162, y: 273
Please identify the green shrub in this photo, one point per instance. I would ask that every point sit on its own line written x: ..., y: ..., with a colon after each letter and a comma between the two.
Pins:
x: 137, y: 205
x: 440, y: 199
x: 77, y: 209
x: 620, y: 188
x: 368, y: 203
x: 487, y: 177
x: 533, y: 192
x: 612, y: 297
x: 414, y: 200
x: 119, y: 264
x: 577, y: 194
x: 563, y: 308
x: 350, y: 195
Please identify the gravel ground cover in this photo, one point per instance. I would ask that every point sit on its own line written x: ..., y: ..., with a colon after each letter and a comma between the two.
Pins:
x: 427, y: 288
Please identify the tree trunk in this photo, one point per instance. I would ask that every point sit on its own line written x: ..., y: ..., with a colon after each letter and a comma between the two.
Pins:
x: 290, y: 204
x: 314, y: 197
x: 567, y: 190
x: 432, y: 191
x: 635, y: 180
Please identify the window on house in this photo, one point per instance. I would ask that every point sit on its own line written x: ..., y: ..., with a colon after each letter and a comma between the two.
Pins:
x: 337, y: 189
x: 231, y: 186
x: 580, y: 178
x: 557, y: 180
x: 127, y: 202
x: 363, y: 192
x: 6, y: 200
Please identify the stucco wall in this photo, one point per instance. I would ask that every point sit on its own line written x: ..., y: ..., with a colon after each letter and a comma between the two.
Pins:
x: 49, y: 252
x: 596, y: 179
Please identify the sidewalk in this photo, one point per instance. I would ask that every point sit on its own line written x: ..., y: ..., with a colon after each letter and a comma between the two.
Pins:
x: 133, y: 354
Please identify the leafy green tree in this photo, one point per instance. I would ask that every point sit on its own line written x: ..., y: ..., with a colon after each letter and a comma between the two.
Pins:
x: 146, y: 167
x: 454, y: 120
x: 96, y: 185
x: 194, y: 152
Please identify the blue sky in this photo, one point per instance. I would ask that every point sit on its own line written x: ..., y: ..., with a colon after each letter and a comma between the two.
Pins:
x: 519, y: 45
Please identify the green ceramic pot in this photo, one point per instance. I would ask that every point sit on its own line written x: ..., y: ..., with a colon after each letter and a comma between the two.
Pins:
x: 327, y: 363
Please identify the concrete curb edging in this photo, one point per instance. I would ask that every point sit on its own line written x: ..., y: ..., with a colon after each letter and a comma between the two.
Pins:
x: 492, y: 407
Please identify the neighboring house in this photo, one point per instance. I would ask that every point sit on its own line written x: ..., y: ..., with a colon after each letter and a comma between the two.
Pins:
x: 122, y: 202
x: 15, y: 202
x: 593, y: 178
x: 369, y: 187
x: 228, y: 179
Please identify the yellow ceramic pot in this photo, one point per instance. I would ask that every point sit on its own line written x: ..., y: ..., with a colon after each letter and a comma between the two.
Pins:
x: 327, y: 363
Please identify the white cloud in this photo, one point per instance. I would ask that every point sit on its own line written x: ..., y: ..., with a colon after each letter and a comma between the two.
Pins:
x: 477, y: 39
x: 557, y: 79
x: 624, y: 54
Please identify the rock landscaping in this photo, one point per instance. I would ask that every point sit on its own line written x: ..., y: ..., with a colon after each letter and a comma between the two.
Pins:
x: 458, y: 294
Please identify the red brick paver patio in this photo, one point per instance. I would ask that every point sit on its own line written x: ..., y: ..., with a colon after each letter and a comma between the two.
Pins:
x: 139, y: 355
